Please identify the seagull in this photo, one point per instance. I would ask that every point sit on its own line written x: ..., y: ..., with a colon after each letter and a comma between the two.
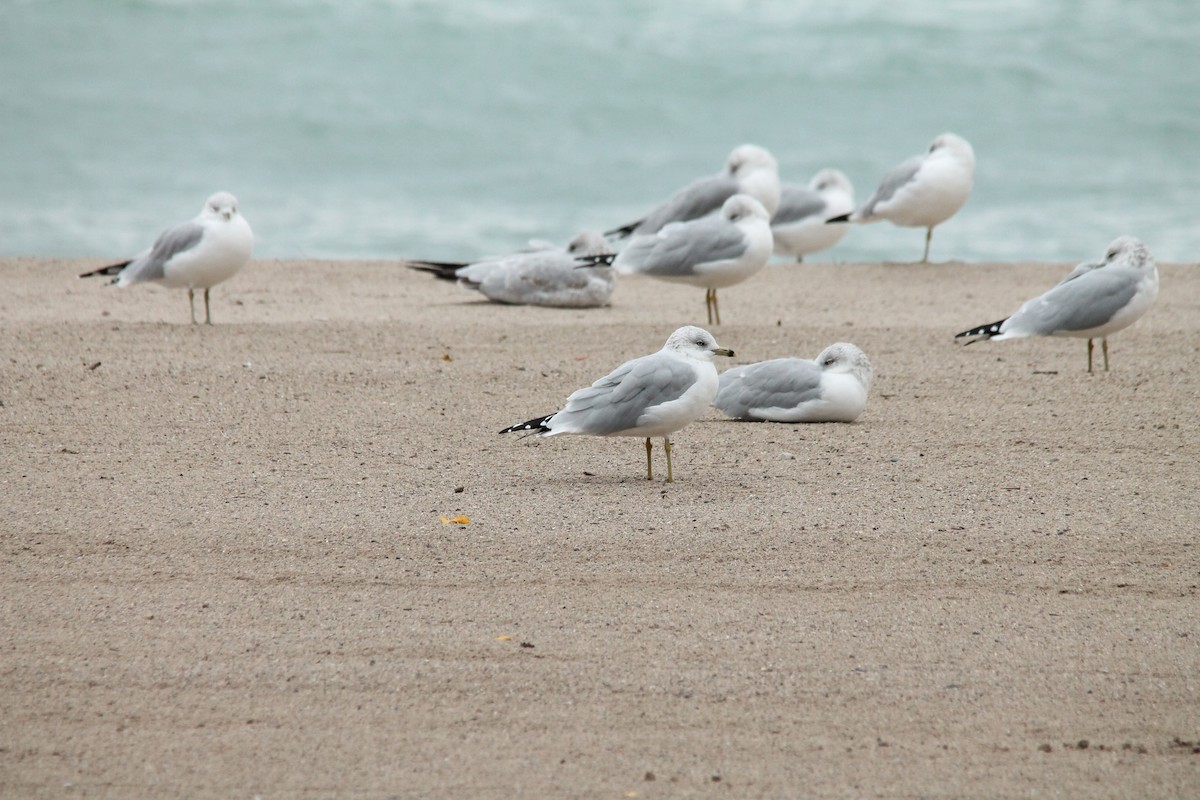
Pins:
x: 548, y: 276
x: 833, y: 388
x: 1094, y: 300
x: 924, y: 191
x: 749, y: 169
x: 197, y: 255
x: 713, y: 252
x: 655, y: 395
x: 799, y: 223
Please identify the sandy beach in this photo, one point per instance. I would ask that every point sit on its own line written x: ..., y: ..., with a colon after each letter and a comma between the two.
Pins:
x: 226, y: 572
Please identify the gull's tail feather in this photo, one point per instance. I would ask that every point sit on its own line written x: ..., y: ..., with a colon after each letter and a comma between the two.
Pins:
x: 839, y: 218
x: 982, y: 331
x: 111, y: 269
x: 624, y: 231
x: 441, y: 269
x: 605, y: 260
x: 535, y: 425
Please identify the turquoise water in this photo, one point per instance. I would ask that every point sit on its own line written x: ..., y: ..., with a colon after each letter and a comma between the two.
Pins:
x: 352, y: 128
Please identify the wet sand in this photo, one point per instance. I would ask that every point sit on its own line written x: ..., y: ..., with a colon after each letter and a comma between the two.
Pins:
x: 226, y: 573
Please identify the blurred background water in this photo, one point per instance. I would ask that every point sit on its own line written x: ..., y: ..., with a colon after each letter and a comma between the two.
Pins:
x: 456, y: 128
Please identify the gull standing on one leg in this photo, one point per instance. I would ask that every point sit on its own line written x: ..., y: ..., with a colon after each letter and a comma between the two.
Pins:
x: 654, y: 395
x: 924, y: 191
x: 1092, y: 302
x: 194, y: 255
x: 749, y: 169
x: 713, y: 252
x: 799, y: 223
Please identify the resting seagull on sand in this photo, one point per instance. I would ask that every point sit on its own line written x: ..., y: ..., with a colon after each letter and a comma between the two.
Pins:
x: 654, y: 395
x: 548, y: 276
x: 749, y: 170
x: 833, y: 388
x: 193, y: 255
x: 714, y: 252
x: 1096, y: 299
x: 924, y: 191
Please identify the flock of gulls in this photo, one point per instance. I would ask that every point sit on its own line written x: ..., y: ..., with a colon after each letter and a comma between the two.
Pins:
x: 713, y: 233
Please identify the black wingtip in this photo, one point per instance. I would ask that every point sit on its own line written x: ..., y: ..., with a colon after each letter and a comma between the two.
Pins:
x: 595, y: 261
x: 439, y: 269
x: 985, y: 331
x: 535, y: 425
x: 838, y: 218
x: 624, y: 231
x: 111, y: 269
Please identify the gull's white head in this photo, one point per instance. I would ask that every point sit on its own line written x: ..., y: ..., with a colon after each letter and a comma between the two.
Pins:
x: 222, y: 205
x: 955, y: 146
x: 695, y: 342
x: 846, y: 358
x: 1128, y: 251
x: 828, y: 180
x: 589, y: 243
x: 743, y: 206
x: 749, y: 158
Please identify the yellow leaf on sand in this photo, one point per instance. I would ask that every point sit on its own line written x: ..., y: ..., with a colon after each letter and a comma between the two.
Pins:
x: 461, y: 519
x: 503, y: 638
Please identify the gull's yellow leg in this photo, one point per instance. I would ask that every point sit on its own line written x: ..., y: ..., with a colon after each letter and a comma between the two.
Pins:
x: 667, y: 447
x: 1091, y: 346
x: 714, y: 311
x: 649, y: 469
x: 192, y: 304
x: 207, y: 310
x: 928, y: 236
x: 1104, y: 347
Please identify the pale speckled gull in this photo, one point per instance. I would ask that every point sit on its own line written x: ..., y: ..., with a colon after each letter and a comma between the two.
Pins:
x: 749, y: 169
x: 543, y: 276
x: 923, y: 191
x: 799, y: 223
x: 194, y: 255
x: 713, y: 252
x: 1093, y: 301
x: 655, y: 395
x: 833, y: 388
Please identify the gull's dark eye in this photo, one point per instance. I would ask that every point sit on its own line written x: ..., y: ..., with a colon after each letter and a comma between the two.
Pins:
x: 701, y: 343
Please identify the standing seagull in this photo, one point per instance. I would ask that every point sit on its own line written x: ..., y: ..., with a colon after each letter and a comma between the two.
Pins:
x: 543, y: 277
x: 749, y: 170
x: 1092, y: 302
x: 197, y: 254
x: 831, y: 389
x: 654, y: 395
x: 799, y: 223
x: 924, y: 191
x: 713, y: 252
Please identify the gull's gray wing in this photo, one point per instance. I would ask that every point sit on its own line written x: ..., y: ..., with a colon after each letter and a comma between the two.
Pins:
x: 699, y: 198
x: 675, y: 251
x: 1082, y: 269
x: 1086, y: 301
x: 779, y: 383
x: 892, y: 182
x: 618, y: 401
x: 171, y: 243
x: 797, y: 203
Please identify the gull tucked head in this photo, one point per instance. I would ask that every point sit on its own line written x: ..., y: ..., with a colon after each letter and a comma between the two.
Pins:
x: 743, y: 206
x: 1129, y: 252
x: 221, y: 204
x: 748, y: 158
x: 694, y: 342
x: 953, y: 145
x: 828, y: 179
x: 845, y: 358
x: 589, y: 243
